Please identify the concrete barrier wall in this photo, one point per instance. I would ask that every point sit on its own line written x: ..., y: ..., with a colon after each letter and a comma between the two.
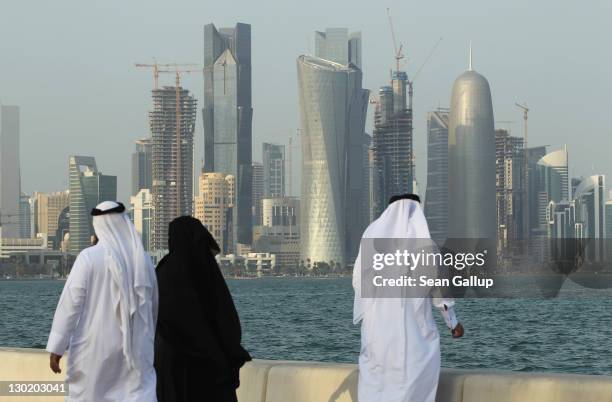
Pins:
x: 286, y: 381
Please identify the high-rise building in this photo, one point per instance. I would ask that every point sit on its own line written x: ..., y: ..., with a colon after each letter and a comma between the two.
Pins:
x: 471, y: 159
x: 436, y: 194
x: 228, y: 116
x: 551, y: 183
x: 257, y: 191
x: 333, y: 108
x: 88, y: 187
x: 532, y: 228
x: 25, y: 218
x: 10, y: 171
x: 336, y: 44
x: 141, y: 165
x: 213, y: 207
x: 49, y: 206
x: 590, y: 211
x: 172, y: 162
x: 509, y: 182
x: 142, y: 215
x: 392, y: 142
x: 273, y: 170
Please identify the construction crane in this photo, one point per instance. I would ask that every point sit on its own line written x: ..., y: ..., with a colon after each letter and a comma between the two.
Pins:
x: 177, y: 69
x: 161, y: 67
x: 398, y: 51
x: 526, y: 222
x: 416, y: 74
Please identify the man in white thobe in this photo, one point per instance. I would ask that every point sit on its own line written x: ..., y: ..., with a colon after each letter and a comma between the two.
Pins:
x: 107, y: 314
x: 400, y: 348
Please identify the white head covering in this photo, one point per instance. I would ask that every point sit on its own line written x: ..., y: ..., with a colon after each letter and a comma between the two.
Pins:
x: 132, y: 272
x: 403, y: 219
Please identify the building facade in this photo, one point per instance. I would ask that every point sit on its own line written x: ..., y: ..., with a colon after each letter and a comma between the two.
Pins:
x: 257, y: 191
x: 142, y: 165
x: 213, y: 207
x: 49, y: 206
x: 273, y: 157
x: 10, y: 171
x: 436, y: 194
x: 228, y: 114
x: 88, y: 187
x: 280, y: 231
x: 172, y: 127
x: 333, y: 107
x: 590, y: 212
x: 142, y: 215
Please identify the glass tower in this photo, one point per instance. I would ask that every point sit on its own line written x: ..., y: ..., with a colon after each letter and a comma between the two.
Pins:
x: 10, y: 176
x: 227, y: 114
x: 273, y: 170
x: 333, y: 108
x: 88, y: 187
x: 141, y: 165
x: 436, y: 195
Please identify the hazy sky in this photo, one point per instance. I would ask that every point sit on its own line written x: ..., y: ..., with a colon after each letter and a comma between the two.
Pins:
x: 69, y: 65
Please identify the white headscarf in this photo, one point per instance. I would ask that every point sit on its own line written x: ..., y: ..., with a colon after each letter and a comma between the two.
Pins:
x: 403, y: 219
x: 132, y: 272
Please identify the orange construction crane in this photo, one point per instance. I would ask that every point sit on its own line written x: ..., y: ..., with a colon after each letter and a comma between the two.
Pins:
x: 161, y: 67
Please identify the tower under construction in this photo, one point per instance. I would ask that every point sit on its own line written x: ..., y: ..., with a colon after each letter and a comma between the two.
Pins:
x: 172, y: 123
x: 392, y: 143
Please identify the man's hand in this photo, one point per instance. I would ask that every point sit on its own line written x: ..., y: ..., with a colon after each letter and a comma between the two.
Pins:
x: 54, y: 363
x: 457, y: 332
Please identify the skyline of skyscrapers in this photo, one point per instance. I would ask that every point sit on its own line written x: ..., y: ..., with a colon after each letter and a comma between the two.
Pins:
x: 172, y: 158
x: 228, y: 112
x: 88, y: 187
x: 333, y: 107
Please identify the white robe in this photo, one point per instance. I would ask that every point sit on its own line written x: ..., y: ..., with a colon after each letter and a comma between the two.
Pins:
x: 87, y: 324
x: 400, y: 347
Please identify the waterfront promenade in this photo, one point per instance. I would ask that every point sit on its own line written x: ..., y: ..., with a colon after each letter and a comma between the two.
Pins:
x: 289, y: 381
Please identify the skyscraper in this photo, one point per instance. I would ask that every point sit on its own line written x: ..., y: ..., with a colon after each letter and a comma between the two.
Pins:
x: 257, y: 191
x: 333, y: 107
x: 590, y: 211
x: 332, y: 45
x: 436, y: 194
x: 273, y: 170
x: 509, y: 168
x: 10, y: 171
x: 551, y: 184
x: 88, y: 187
x: 392, y: 142
x: 228, y: 115
x: 172, y: 164
x: 141, y: 165
x: 25, y: 218
x: 471, y: 159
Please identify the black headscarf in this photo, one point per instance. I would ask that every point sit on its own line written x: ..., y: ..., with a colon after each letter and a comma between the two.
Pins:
x: 197, y: 316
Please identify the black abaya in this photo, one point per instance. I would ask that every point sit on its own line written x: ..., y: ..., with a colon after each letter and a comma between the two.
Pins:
x: 198, y: 353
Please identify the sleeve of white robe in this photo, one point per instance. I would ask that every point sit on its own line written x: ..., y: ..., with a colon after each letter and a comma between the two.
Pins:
x: 69, y: 307
x: 446, y: 306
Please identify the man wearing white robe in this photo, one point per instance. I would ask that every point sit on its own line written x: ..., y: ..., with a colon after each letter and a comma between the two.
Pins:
x: 400, y: 348
x: 106, y: 315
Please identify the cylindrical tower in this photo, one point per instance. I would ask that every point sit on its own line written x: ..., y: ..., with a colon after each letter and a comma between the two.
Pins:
x: 471, y: 154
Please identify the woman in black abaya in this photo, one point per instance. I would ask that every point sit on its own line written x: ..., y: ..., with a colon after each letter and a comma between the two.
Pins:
x: 198, y: 353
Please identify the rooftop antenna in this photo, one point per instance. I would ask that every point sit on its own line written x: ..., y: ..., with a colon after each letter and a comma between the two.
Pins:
x: 470, y: 65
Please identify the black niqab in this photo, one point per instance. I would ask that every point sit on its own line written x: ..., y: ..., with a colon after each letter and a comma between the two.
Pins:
x: 198, y: 329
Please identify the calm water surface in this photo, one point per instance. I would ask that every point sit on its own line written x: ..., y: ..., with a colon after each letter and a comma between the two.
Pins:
x: 311, y: 319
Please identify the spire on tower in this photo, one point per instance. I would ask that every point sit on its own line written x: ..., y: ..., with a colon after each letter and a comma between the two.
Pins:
x: 470, y: 65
